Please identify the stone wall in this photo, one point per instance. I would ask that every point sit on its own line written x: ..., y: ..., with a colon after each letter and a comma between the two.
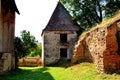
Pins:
x: 30, y: 61
x: 99, y: 46
x: 91, y: 47
x: 52, y: 45
x: 5, y: 63
x: 111, y: 58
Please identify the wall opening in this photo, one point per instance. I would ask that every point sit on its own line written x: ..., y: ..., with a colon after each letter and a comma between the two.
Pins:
x: 118, y: 40
x: 63, y: 38
x: 1, y: 54
x: 63, y: 53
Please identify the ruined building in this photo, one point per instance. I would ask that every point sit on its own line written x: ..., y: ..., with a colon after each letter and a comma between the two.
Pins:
x: 59, y: 37
x: 101, y: 45
x: 7, y: 26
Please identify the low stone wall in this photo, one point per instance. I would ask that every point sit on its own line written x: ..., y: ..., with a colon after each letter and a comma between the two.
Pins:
x: 29, y: 61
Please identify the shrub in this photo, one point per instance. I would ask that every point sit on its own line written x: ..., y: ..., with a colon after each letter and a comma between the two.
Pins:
x: 36, y: 52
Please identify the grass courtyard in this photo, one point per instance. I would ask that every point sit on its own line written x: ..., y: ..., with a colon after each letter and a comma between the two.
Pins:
x: 83, y: 71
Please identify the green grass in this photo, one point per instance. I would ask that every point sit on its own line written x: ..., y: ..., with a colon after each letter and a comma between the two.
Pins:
x: 83, y: 71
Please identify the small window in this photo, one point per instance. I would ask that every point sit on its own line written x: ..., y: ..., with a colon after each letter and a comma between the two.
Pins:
x: 63, y: 52
x: 63, y: 38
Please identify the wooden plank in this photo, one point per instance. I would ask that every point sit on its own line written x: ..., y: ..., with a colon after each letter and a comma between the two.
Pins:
x: 5, y: 33
x: 12, y: 28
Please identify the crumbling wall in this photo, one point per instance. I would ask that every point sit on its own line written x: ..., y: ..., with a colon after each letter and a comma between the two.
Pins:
x: 111, y: 58
x: 91, y: 47
x: 99, y: 46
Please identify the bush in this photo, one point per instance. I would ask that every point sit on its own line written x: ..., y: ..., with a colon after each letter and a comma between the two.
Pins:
x: 36, y: 52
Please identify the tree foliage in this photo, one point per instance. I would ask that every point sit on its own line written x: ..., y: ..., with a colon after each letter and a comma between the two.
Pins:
x: 112, y: 6
x: 25, y: 44
x: 91, y: 12
x: 37, y: 51
x: 18, y: 47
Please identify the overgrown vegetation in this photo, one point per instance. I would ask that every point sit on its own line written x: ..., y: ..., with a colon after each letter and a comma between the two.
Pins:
x: 37, y: 51
x: 104, y: 23
x: 88, y: 13
x: 24, y: 45
x: 83, y: 71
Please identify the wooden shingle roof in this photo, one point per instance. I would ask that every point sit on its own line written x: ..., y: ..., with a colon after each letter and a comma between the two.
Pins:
x: 61, y: 20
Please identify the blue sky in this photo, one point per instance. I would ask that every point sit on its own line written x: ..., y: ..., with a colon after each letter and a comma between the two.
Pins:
x: 34, y: 16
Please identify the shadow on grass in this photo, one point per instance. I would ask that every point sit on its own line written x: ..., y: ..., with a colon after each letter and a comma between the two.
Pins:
x: 28, y: 74
x: 64, y: 64
x: 113, y: 72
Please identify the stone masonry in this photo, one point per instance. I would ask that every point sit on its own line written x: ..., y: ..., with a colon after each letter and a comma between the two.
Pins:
x: 100, y: 46
x: 52, y: 46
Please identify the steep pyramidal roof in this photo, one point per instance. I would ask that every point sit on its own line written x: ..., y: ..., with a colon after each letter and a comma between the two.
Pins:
x: 61, y: 20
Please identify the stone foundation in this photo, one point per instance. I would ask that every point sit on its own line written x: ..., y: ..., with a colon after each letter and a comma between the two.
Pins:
x: 6, y: 63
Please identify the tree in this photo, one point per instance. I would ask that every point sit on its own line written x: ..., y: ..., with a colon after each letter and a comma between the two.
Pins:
x: 29, y: 41
x: 19, y: 48
x: 37, y: 52
x: 88, y: 13
x: 112, y: 6
x: 24, y: 45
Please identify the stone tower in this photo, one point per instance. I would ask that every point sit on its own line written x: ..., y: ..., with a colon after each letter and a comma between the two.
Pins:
x: 59, y: 37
